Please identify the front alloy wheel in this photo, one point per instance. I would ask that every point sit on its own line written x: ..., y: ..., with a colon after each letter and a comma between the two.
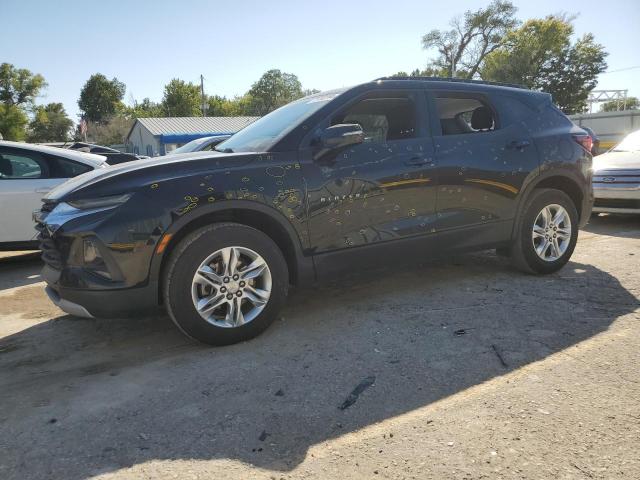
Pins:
x: 231, y: 287
x: 225, y: 283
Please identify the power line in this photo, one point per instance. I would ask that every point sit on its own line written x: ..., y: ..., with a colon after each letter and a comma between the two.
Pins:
x: 621, y: 69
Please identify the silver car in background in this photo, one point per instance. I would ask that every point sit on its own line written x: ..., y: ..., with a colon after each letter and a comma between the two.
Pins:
x: 201, y: 144
x: 616, y: 177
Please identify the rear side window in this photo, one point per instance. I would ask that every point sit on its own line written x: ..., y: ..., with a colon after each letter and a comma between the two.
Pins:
x: 64, y: 168
x: 464, y: 114
x: 382, y: 119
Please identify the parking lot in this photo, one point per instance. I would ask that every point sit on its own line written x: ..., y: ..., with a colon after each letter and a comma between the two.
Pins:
x: 461, y: 368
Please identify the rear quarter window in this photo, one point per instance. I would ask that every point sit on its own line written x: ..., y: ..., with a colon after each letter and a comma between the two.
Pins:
x: 465, y: 113
x: 64, y: 168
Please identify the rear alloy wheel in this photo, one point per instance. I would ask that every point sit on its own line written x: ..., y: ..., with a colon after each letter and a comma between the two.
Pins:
x: 547, y: 233
x: 551, y: 233
x: 225, y: 283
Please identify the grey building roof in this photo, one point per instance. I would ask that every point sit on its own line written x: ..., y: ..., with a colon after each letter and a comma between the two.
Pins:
x: 166, y: 125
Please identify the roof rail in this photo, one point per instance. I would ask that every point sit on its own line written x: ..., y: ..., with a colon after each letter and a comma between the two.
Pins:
x: 451, y: 79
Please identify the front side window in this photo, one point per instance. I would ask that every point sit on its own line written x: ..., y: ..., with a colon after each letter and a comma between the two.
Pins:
x: 19, y: 166
x: 383, y: 119
x: 460, y: 115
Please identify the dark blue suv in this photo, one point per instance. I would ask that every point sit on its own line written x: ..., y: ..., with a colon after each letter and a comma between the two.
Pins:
x: 390, y: 171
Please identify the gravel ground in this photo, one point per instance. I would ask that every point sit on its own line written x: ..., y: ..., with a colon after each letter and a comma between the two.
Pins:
x: 462, y: 368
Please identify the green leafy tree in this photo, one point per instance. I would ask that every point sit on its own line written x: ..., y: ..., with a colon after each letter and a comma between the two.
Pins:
x: 50, y: 124
x: 573, y: 74
x: 13, y: 122
x: 226, y: 107
x: 540, y: 55
x: 110, y: 132
x: 463, y: 48
x: 18, y: 91
x: 427, y: 72
x: 273, y: 90
x: 18, y: 86
x: 631, y: 103
x: 181, y: 99
x: 528, y: 50
x: 146, y: 108
x: 101, y: 98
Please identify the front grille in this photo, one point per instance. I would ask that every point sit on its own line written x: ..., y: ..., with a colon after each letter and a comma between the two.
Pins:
x: 50, y: 253
x: 616, y: 203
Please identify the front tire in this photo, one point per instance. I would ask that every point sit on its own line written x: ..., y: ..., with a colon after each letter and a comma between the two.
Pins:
x: 225, y: 283
x: 547, y: 232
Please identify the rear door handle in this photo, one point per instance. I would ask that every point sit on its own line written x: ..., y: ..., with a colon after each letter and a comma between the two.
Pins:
x: 518, y: 144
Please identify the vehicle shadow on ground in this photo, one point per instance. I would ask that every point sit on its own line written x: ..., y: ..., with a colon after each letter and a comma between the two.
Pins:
x: 614, y: 225
x: 20, y: 269
x: 83, y: 397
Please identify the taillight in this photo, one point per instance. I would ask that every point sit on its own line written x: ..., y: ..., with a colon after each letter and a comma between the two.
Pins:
x: 585, y: 140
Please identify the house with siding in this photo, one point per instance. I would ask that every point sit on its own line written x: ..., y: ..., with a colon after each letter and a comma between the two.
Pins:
x: 159, y: 136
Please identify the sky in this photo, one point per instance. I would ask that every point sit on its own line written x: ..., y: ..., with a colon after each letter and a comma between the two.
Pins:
x: 327, y: 44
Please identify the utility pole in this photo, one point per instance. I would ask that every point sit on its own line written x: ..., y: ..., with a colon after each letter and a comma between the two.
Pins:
x: 204, y: 105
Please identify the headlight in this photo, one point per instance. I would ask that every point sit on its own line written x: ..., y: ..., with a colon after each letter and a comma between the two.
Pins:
x: 101, y: 202
x: 66, y: 211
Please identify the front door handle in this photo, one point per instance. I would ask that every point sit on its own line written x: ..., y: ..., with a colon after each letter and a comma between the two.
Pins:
x: 43, y: 190
x: 518, y: 144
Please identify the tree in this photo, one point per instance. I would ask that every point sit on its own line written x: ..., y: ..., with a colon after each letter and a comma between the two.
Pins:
x: 527, y: 50
x: 18, y: 91
x: 273, y: 90
x: 50, y: 124
x: 110, y: 132
x: 473, y: 36
x: 181, y: 99
x: 13, y: 121
x: 427, y: 72
x: 229, y: 107
x: 540, y: 55
x: 146, y: 108
x: 631, y: 103
x: 101, y: 98
x: 18, y: 86
x: 573, y: 74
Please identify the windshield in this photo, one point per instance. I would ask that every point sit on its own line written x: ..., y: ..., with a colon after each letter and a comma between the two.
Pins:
x: 192, y: 146
x: 266, y: 131
x: 630, y: 143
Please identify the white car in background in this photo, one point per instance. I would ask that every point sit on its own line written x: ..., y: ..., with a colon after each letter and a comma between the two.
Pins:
x: 616, y: 177
x: 27, y: 173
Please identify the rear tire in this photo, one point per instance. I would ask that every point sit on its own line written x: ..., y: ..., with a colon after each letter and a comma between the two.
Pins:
x: 547, y: 232
x: 225, y: 283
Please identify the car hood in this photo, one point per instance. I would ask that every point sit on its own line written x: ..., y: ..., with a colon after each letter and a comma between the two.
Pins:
x: 165, y: 166
x: 617, y: 161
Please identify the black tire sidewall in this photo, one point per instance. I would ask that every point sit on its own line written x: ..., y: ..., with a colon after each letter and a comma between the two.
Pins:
x: 541, y: 199
x: 188, y: 256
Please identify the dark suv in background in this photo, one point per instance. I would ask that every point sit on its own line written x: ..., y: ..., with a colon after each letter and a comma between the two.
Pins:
x: 394, y: 171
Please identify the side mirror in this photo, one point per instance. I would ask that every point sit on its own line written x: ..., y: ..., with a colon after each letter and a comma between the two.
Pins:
x: 342, y: 135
